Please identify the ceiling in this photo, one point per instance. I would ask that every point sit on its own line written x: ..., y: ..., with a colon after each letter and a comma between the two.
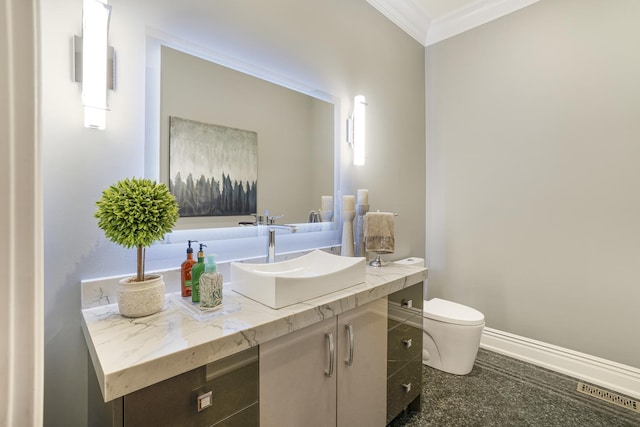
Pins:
x: 431, y: 21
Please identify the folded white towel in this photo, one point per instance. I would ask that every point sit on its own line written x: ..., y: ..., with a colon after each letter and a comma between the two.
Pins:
x: 378, y: 232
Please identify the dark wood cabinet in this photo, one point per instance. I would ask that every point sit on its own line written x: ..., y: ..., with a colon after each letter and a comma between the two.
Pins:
x: 222, y: 393
x: 404, y: 350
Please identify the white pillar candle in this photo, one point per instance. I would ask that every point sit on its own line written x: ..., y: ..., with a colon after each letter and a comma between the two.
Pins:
x: 327, y: 203
x: 348, y: 203
x: 363, y: 197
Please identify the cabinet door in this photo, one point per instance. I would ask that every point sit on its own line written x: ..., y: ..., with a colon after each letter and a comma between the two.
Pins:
x: 362, y: 363
x: 295, y: 386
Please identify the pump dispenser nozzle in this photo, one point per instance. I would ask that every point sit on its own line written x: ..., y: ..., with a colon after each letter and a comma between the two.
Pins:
x: 201, y: 251
x: 189, y: 248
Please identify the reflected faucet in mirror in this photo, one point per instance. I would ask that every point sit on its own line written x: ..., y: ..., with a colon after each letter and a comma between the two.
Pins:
x: 315, y: 216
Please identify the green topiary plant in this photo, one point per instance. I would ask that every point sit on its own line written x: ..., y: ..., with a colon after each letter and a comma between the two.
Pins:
x: 135, y: 213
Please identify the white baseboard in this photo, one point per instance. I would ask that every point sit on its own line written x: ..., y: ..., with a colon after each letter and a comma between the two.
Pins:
x: 605, y: 373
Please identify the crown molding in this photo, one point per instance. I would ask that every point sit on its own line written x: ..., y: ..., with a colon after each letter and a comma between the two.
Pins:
x: 406, y: 14
x: 410, y: 16
x: 475, y: 14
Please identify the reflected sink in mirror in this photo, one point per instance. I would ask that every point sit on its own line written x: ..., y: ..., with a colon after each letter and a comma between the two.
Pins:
x: 289, y: 282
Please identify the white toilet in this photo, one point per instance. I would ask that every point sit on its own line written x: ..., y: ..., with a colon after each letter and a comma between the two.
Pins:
x: 451, y: 336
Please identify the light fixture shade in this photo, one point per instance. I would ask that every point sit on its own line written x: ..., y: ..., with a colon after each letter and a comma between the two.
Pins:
x: 95, y: 32
x: 359, y: 122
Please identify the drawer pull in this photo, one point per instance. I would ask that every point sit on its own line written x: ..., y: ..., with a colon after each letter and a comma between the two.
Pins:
x: 332, y: 354
x: 205, y: 401
x: 407, y: 303
x: 349, y: 329
x: 406, y: 387
x: 408, y: 342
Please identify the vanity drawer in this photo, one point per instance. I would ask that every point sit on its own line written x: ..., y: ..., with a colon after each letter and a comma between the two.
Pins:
x: 225, y: 387
x: 405, y: 303
x: 403, y: 387
x: 404, y: 344
x: 412, y: 294
x: 244, y: 418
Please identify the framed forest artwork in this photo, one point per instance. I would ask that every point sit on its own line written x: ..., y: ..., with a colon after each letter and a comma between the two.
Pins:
x: 213, y: 169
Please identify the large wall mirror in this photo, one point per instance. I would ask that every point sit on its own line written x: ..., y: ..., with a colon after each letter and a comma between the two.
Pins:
x: 294, y: 133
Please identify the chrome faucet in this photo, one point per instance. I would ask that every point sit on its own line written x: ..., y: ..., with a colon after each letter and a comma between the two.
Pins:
x: 269, y: 222
x: 271, y: 242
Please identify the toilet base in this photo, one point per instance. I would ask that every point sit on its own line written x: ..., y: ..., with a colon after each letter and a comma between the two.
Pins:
x: 437, y: 365
x: 456, y: 348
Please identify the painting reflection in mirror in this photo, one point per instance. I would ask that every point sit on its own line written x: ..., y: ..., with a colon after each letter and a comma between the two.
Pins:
x: 213, y: 169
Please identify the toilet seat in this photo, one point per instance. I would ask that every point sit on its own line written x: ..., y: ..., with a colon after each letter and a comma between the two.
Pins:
x: 451, y: 312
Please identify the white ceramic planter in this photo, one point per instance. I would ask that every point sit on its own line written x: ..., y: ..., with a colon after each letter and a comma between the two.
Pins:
x: 138, y: 299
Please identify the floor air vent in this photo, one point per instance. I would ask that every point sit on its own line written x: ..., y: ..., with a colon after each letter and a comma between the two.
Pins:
x: 610, y: 397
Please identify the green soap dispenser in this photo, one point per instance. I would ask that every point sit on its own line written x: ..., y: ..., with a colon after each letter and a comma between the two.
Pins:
x: 196, y: 272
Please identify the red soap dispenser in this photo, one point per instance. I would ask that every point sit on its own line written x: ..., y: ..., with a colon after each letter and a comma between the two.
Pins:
x: 185, y: 279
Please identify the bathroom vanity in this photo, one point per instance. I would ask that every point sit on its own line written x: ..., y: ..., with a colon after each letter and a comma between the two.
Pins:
x: 333, y: 360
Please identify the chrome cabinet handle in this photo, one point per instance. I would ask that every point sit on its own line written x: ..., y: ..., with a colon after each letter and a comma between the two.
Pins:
x: 329, y: 373
x: 205, y: 401
x: 349, y: 360
x: 408, y: 342
x: 406, y: 303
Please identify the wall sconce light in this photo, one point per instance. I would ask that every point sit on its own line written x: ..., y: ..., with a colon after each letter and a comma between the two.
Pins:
x: 94, y: 62
x: 356, y: 129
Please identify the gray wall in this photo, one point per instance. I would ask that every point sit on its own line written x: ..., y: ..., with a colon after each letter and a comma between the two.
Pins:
x: 533, y: 147
x: 342, y: 47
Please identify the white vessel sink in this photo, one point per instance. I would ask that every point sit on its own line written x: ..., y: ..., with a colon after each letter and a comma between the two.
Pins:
x: 289, y: 282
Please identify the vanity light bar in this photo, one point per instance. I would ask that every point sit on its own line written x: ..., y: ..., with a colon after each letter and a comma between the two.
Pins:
x: 96, y: 15
x: 359, y: 121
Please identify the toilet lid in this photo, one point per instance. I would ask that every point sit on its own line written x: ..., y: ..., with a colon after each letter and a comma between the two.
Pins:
x: 451, y: 312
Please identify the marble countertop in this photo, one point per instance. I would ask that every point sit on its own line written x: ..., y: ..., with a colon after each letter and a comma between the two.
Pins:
x: 130, y: 354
